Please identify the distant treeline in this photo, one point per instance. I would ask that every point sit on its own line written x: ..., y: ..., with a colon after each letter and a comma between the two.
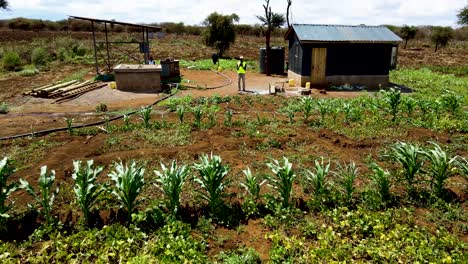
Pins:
x: 81, y: 25
x: 424, y: 32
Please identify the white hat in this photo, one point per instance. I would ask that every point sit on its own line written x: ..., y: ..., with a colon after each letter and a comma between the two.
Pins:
x: 241, y: 57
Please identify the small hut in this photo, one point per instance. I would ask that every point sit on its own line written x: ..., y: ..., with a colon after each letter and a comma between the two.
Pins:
x: 326, y: 55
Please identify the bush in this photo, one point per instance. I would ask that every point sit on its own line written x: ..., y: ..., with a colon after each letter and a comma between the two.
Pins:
x: 29, y: 71
x: 11, y: 61
x: 4, y: 108
x: 39, y: 56
x: 101, y: 108
x: 79, y: 50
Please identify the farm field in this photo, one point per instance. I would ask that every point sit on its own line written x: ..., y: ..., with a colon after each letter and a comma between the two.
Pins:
x: 336, y: 177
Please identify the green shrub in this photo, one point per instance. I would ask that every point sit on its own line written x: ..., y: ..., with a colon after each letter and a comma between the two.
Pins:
x: 29, y: 70
x: 4, y: 108
x: 11, y: 61
x: 39, y: 56
x: 101, y: 108
x: 79, y: 50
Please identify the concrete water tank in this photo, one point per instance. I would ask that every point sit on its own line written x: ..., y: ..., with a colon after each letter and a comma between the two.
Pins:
x: 138, y: 77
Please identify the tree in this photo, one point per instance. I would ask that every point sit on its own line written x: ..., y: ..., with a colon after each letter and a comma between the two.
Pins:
x: 270, y: 21
x: 440, y: 36
x: 3, y: 4
x: 220, y: 32
x: 408, y: 33
x: 287, y: 12
x: 463, y: 16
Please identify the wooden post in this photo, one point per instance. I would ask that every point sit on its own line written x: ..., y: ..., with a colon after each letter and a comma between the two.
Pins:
x: 144, y: 45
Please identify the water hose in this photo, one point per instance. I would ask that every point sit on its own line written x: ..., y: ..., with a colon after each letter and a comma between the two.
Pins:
x: 53, y: 130
x: 229, y: 81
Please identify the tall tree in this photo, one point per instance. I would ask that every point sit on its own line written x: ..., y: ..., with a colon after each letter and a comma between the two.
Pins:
x: 270, y: 21
x: 220, y: 31
x: 463, y: 16
x: 3, y: 4
x: 287, y: 12
x: 408, y: 33
x: 440, y: 36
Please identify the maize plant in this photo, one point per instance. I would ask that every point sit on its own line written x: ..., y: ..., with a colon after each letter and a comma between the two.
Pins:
x: 347, y: 112
x: 46, y: 196
x: 307, y: 104
x: 346, y: 175
x: 318, y: 178
x: 69, y: 122
x: 290, y: 112
x: 212, y: 180
x: 129, y: 181
x: 411, y: 159
x: 86, y: 189
x: 212, y: 115
x: 441, y: 166
x: 335, y: 109
x: 451, y: 101
x: 198, y: 112
x: 126, y: 120
x: 145, y: 116
x: 425, y: 107
x: 228, y: 117
x: 5, y: 190
x: 323, y: 108
x: 252, y: 185
x: 410, y: 104
x: 180, y: 112
x: 381, y: 179
x: 282, y: 180
x: 393, y: 98
x: 171, y: 181
x: 463, y: 165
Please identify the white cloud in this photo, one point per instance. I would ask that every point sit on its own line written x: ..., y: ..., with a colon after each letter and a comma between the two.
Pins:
x: 413, y: 12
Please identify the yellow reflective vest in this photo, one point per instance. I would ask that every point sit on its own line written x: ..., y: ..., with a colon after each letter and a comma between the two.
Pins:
x: 241, y: 67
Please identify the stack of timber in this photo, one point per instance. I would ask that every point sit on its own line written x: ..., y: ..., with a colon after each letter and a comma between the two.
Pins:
x: 65, y: 90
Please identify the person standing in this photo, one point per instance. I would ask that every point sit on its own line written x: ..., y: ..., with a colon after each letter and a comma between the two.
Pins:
x: 241, y: 69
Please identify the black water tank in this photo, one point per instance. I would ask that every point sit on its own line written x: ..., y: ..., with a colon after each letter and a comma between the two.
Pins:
x: 276, y: 62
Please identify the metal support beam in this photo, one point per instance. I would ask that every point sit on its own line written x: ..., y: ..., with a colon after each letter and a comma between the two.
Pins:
x: 107, y: 48
x: 95, y: 48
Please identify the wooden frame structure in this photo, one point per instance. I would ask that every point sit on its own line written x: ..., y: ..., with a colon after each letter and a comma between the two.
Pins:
x: 143, y: 44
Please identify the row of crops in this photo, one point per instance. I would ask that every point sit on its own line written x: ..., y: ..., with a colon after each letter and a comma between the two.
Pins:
x: 395, y: 203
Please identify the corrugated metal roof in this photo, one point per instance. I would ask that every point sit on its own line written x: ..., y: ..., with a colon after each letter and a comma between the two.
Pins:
x: 342, y: 33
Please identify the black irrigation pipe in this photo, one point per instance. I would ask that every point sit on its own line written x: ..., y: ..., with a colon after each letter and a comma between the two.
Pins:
x: 48, y: 131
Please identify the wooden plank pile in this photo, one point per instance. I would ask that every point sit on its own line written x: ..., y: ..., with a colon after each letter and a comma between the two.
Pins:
x: 65, y: 90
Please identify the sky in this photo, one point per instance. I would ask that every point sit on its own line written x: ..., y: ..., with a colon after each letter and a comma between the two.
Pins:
x: 349, y: 12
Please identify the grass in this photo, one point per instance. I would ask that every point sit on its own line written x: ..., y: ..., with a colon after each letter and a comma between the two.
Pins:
x: 207, y: 64
x: 79, y: 76
x: 25, y: 152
